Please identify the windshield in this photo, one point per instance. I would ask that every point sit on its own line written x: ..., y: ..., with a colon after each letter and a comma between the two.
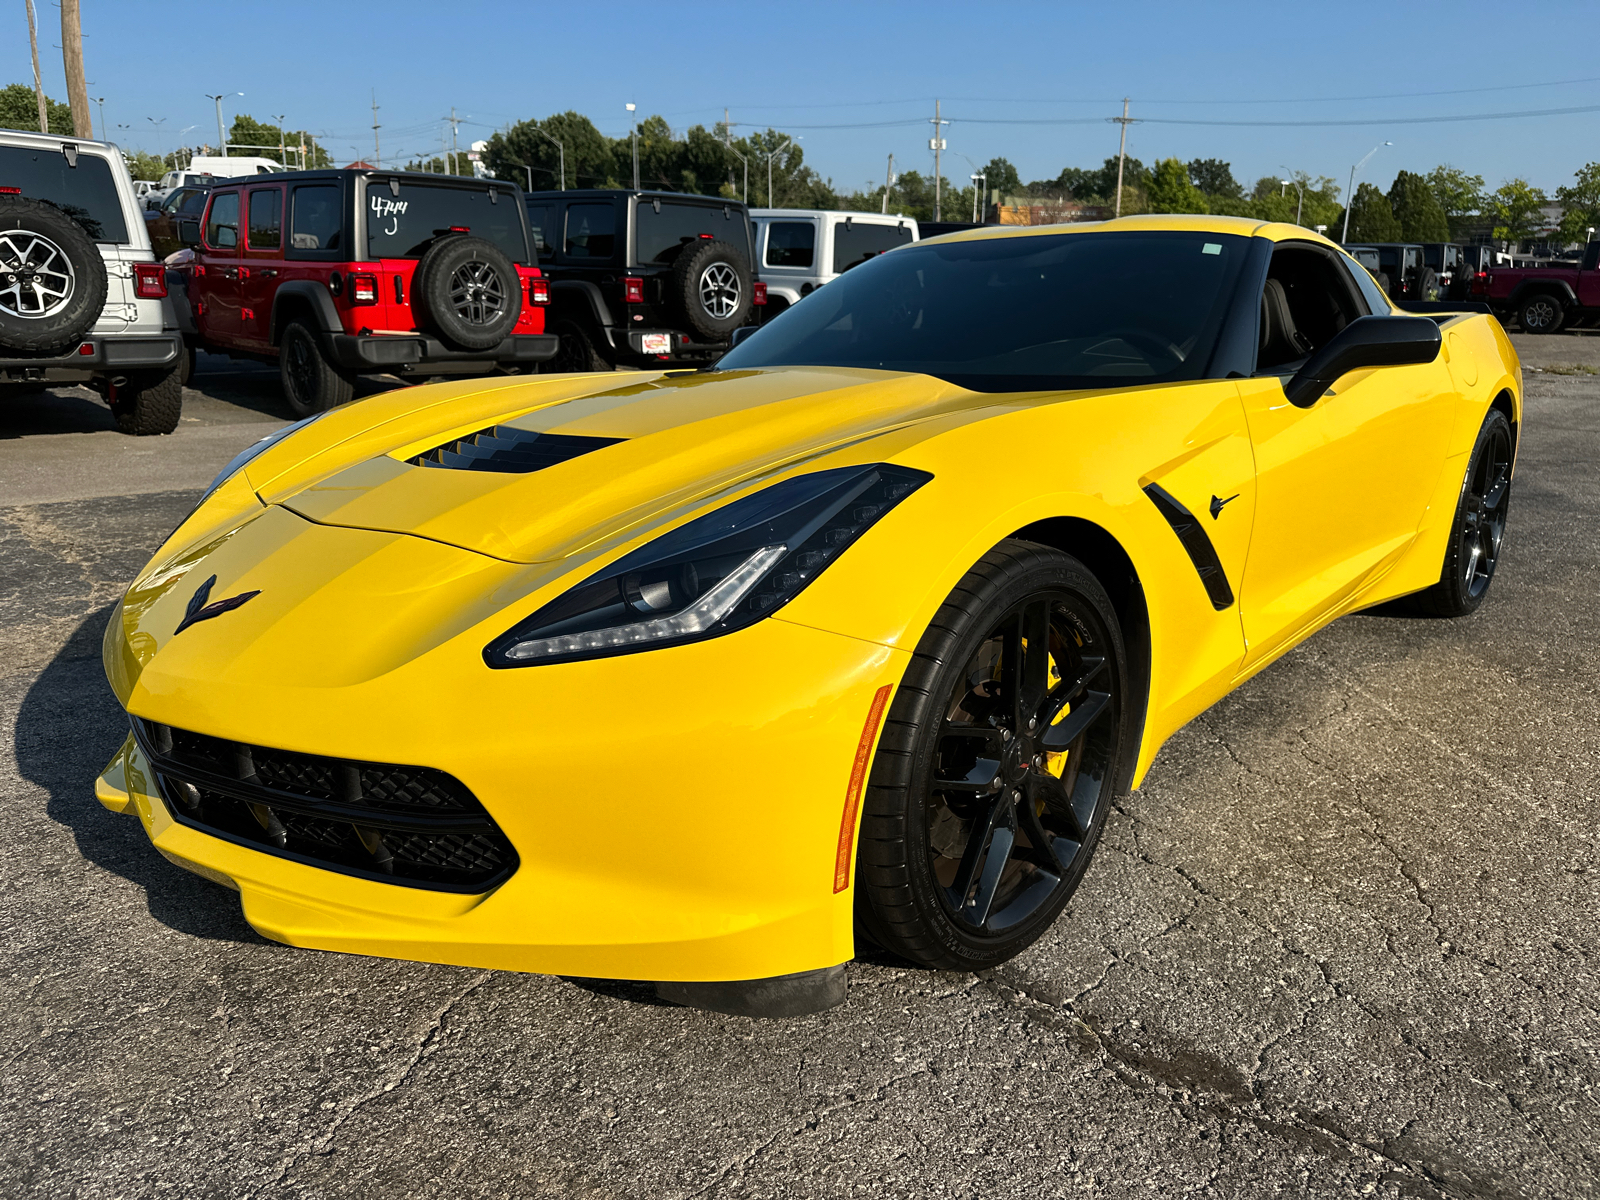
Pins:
x: 87, y: 192
x: 404, y: 225
x: 1010, y: 314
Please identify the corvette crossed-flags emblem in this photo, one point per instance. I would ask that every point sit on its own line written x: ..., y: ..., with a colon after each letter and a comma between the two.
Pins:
x: 199, y: 610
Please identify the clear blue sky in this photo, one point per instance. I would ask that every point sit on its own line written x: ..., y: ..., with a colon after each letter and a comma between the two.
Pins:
x: 825, y: 64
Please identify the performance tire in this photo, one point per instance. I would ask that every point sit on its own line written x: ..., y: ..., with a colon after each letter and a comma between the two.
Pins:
x: 997, y: 765
x: 1480, y: 525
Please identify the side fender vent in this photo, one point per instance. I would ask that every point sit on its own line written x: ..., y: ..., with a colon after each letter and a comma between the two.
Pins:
x: 1193, y: 536
x: 517, y: 451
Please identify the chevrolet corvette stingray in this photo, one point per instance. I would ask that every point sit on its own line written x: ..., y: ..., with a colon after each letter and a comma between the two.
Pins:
x: 696, y: 678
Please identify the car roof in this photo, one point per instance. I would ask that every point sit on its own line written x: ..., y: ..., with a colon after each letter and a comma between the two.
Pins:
x: 1277, y: 231
x: 612, y: 193
x: 772, y: 213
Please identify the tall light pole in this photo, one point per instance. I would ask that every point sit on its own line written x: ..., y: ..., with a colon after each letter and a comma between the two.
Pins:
x: 1300, y: 207
x: 222, y: 138
x: 746, y: 163
x: 561, y: 153
x: 976, y: 179
x: 283, y: 148
x: 100, y: 103
x: 155, y: 128
x: 633, y: 129
x: 786, y: 140
x: 1350, y: 195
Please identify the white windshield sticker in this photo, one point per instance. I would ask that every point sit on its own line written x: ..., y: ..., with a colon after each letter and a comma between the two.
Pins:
x: 1211, y: 248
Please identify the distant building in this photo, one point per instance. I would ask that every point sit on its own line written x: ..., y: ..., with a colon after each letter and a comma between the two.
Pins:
x: 358, y: 165
x: 1030, y: 210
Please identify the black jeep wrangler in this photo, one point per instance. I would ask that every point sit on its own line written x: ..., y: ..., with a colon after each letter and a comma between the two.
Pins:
x: 643, y: 278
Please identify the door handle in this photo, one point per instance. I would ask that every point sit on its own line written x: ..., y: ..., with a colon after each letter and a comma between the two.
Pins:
x: 267, y: 273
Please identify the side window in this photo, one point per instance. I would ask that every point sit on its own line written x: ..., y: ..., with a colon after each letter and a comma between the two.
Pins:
x: 222, y: 225
x: 591, y: 231
x: 315, y: 218
x: 266, y: 219
x: 1307, y: 300
x: 193, y: 201
x: 542, y: 220
x: 1371, y: 294
x: 856, y: 241
x: 791, y: 244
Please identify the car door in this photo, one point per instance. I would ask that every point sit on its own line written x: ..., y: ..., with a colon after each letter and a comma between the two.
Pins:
x: 1342, y: 486
x: 262, y: 262
x: 216, y: 275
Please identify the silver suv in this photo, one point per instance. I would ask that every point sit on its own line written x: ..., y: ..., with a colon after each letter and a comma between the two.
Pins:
x: 82, y: 298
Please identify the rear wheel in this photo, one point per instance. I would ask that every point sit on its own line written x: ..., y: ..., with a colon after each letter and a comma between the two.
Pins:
x: 149, y: 403
x: 1480, y: 525
x: 1427, y: 284
x: 52, y: 278
x: 311, y: 384
x: 1541, y: 314
x: 1007, y: 740
x: 575, y: 350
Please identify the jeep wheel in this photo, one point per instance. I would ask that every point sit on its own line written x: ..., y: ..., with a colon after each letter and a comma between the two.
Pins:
x: 52, y: 278
x: 311, y: 384
x: 575, y: 350
x: 1427, y: 287
x: 149, y: 402
x: 1541, y: 314
x: 710, y: 289
x: 467, y: 292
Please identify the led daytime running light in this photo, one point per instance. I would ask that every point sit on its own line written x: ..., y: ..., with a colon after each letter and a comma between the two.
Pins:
x: 697, y: 618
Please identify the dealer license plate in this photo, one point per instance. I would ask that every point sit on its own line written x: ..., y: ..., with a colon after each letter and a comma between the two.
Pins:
x: 656, y: 343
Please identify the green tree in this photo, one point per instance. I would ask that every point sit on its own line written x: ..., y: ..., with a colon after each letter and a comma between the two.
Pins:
x: 1171, y: 191
x: 263, y: 141
x: 145, y: 166
x: 1460, y: 195
x: 589, y: 159
x: 1581, y: 204
x: 1514, y: 208
x: 1372, y: 217
x: 1215, y: 178
x: 434, y: 165
x: 1418, y: 211
x: 19, y: 109
x: 1003, y: 179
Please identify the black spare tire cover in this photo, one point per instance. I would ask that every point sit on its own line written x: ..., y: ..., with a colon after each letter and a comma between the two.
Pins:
x: 710, y: 288
x: 52, y: 278
x: 466, y: 292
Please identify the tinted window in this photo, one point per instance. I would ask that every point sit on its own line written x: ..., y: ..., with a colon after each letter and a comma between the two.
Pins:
x: 791, y: 243
x: 1019, y: 313
x: 266, y: 219
x: 1431, y: 255
x: 661, y: 235
x: 193, y: 201
x: 1377, y: 302
x: 87, y: 192
x: 857, y: 241
x: 404, y: 226
x: 316, y: 218
x: 1367, y: 258
x: 591, y: 231
x: 542, y: 227
x: 222, y: 225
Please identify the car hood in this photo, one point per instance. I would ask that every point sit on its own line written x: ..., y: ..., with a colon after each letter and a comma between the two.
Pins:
x: 636, y: 450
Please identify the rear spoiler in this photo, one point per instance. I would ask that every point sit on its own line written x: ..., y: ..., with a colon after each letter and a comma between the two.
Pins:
x: 1432, y: 307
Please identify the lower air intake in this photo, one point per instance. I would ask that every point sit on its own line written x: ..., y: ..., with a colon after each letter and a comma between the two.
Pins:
x: 407, y: 825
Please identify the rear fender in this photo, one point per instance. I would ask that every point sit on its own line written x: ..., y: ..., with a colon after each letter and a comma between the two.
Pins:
x: 577, y: 298
x: 304, y: 297
x: 1529, y: 288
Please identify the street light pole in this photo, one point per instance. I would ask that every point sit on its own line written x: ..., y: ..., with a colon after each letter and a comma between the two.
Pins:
x: 561, y: 155
x: 786, y: 140
x: 1300, y: 207
x: 283, y: 145
x: 222, y: 138
x: 975, y: 181
x: 100, y: 103
x: 634, y: 130
x: 1350, y: 195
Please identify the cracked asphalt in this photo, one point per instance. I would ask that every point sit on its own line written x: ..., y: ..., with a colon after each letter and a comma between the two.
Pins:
x: 1343, y: 942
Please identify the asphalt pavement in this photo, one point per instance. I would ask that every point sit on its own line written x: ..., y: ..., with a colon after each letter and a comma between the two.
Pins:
x: 1343, y: 942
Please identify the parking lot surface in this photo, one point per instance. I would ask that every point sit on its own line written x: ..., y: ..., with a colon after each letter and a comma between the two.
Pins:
x: 1342, y: 942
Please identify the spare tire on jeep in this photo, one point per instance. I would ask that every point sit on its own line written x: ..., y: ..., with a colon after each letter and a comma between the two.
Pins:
x: 467, y: 292
x: 710, y: 287
x: 52, y: 278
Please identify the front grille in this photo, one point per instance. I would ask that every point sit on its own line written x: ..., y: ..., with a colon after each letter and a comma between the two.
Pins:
x: 504, y: 448
x: 408, y: 825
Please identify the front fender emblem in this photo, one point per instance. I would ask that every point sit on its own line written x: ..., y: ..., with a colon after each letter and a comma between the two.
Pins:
x: 199, y: 610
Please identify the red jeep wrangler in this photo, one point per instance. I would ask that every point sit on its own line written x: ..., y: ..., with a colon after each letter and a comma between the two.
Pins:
x: 336, y: 273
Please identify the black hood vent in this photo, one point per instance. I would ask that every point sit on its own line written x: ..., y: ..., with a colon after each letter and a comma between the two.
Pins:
x: 502, y: 448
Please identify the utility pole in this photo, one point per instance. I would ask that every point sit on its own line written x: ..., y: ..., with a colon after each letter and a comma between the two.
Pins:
x: 936, y: 144
x: 455, y: 141
x: 888, y: 182
x: 1122, y: 149
x: 38, y: 80
x: 377, y: 151
x: 72, y: 59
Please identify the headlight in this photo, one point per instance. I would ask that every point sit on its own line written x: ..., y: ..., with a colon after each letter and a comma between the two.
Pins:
x: 718, y: 573
x: 250, y: 452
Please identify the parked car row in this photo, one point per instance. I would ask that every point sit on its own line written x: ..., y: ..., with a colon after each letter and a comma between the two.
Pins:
x: 1423, y: 271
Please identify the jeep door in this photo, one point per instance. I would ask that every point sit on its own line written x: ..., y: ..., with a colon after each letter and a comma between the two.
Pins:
x: 216, y: 274
x: 263, y: 263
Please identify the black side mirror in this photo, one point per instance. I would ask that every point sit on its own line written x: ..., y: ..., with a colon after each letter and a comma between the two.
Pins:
x: 1365, y: 342
x: 188, y: 231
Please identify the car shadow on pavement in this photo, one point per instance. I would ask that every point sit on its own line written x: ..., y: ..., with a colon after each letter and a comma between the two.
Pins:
x: 68, y: 726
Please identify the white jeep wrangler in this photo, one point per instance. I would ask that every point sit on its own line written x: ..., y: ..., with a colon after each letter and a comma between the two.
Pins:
x: 800, y: 249
x: 82, y: 298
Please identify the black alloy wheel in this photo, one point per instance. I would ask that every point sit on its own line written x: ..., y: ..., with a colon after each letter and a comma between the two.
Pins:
x: 1541, y: 314
x: 311, y: 384
x: 1006, y: 743
x: 1480, y: 525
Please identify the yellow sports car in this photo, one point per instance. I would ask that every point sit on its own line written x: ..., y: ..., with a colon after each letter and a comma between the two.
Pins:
x: 698, y: 677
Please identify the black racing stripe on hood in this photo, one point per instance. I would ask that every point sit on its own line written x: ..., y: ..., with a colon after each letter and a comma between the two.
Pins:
x: 502, y: 448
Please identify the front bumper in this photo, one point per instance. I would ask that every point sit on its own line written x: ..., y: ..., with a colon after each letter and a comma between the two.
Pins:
x: 390, y: 353
x: 677, y: 813
x: 106, y: 354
